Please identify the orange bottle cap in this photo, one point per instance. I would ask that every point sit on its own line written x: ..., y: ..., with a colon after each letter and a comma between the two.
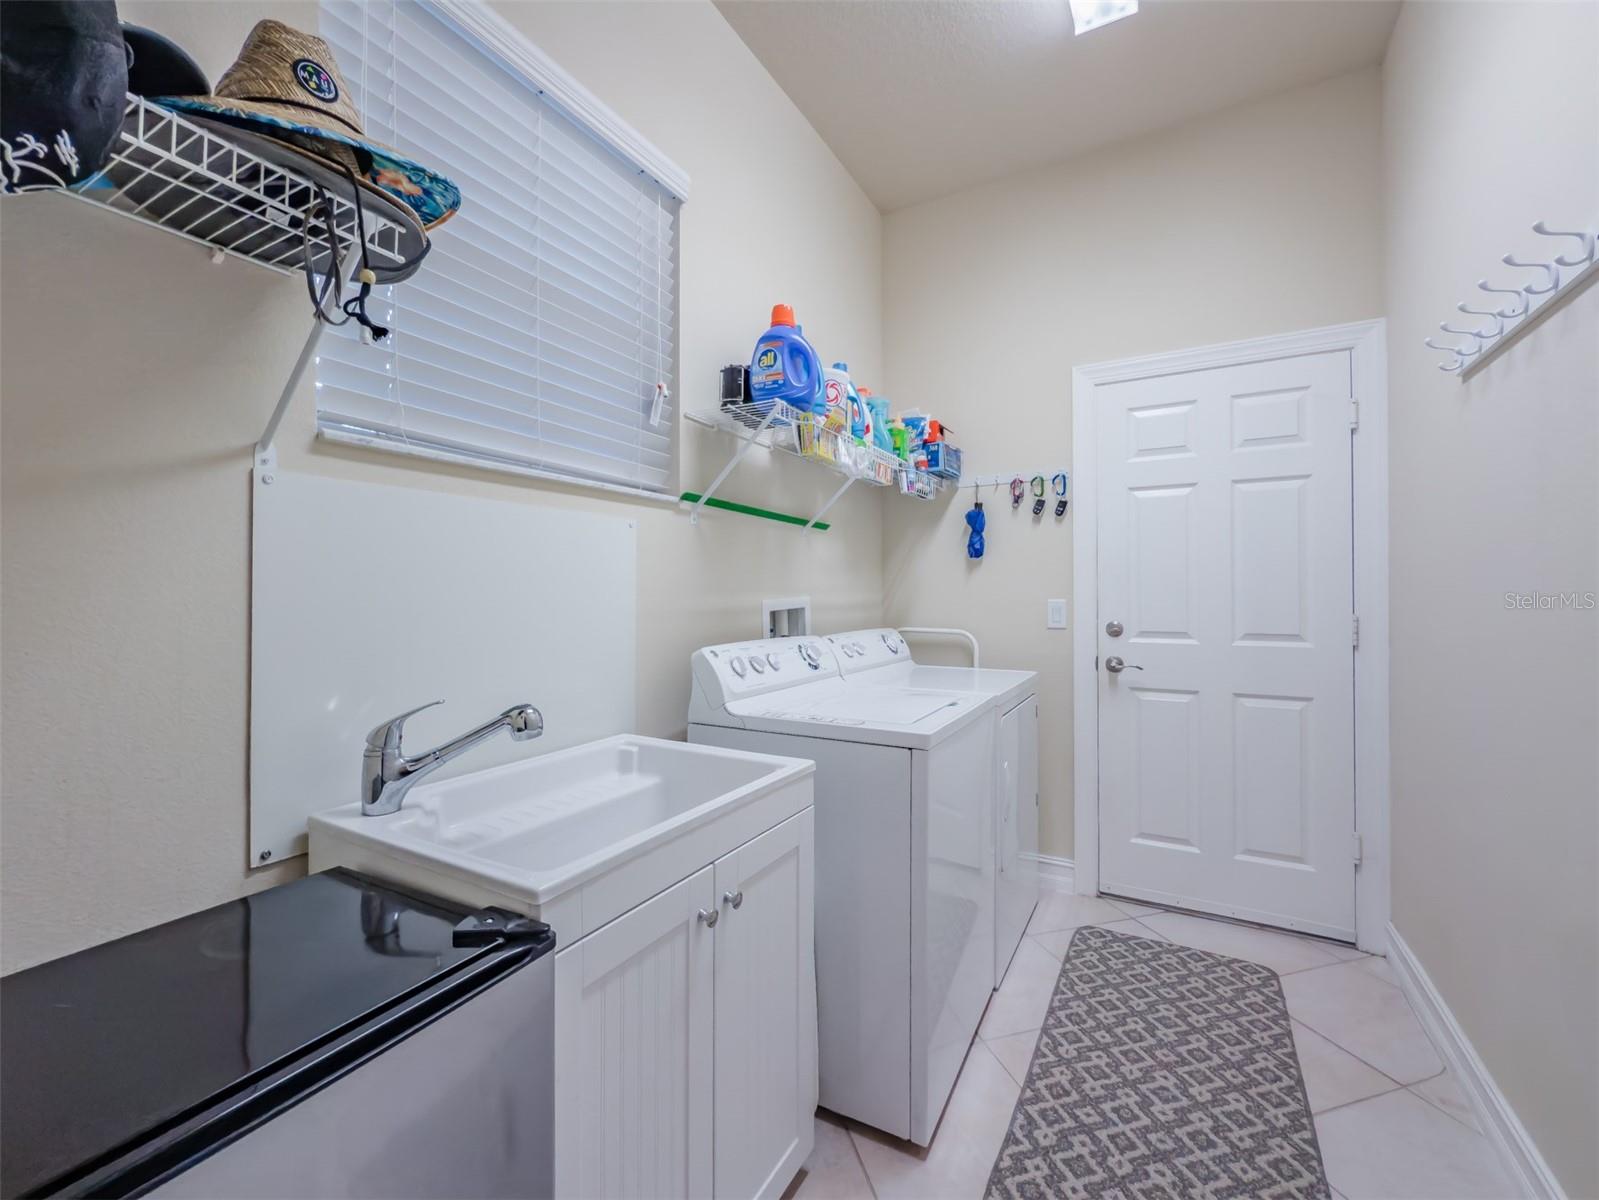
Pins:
x: 782, y: 314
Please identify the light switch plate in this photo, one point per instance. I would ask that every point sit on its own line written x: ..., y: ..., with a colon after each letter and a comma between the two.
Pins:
x: 1056, y: 614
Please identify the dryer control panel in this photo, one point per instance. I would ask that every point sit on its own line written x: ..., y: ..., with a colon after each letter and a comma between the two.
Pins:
x: 739, y: 670
x: 864, y: 649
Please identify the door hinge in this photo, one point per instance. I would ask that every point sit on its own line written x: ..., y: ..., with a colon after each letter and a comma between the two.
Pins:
x: 1354, y: 414
x: 1354, y: 630
x: 1359, y: 850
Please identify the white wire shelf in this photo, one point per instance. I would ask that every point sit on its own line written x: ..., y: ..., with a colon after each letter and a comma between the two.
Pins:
x: 189, y: 179
x: 168, y: 171
x: 781, y: 427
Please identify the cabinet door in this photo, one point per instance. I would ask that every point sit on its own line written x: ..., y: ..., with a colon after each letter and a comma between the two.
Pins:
x: 633, y: 1057
x: 765, y: 1012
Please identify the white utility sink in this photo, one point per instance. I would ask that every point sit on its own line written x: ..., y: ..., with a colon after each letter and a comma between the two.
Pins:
x: 576, y: 837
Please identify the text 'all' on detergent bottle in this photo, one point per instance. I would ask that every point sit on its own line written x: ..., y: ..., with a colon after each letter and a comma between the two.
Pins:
x: 785, y: 367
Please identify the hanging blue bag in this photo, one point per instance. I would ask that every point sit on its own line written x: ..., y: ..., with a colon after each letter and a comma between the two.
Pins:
x: 977, y: 523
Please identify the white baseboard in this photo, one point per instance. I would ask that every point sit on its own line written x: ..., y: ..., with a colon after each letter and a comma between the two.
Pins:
x: 1054, y: 873
x: 1494, y: 1114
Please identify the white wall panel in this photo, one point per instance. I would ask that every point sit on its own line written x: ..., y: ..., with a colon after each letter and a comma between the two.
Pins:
x: 368, y: 600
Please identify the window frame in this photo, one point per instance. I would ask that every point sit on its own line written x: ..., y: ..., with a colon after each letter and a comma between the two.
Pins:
x: 517, y: 54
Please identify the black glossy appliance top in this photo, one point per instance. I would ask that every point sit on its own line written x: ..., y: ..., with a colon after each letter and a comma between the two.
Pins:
x: 148, y: 1037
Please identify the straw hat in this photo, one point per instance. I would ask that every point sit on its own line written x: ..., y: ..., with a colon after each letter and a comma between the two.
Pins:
x: 285, y: 85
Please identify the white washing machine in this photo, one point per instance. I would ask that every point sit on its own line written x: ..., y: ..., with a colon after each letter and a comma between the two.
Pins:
x: 904, y: 863
x: 879, y: 657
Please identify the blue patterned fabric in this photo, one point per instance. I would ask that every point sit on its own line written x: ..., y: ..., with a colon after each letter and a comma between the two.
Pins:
x: 431, y: 196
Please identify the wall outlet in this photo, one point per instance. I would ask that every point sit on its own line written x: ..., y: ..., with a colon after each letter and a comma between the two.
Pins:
x: 1056, y: 614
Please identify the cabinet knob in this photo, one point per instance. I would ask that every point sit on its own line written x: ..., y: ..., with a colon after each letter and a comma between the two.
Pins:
x: 710, y: 918
x: 736, y: 899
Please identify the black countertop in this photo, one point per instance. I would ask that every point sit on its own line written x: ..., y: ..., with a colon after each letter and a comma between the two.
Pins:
x: 106, y: 1049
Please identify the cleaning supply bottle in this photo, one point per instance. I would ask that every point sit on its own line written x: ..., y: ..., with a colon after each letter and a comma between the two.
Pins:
x: 900, y: 437
x: 877, y: 429
x: 844, y: 408
x: 916, y: 426
x: 868, y: 417
x: 785, y: 367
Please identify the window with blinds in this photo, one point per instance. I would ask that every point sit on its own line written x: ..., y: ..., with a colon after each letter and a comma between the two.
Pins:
x: 544, y: 317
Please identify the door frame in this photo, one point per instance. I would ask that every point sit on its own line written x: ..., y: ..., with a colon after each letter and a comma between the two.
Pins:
x: 1367, y: 343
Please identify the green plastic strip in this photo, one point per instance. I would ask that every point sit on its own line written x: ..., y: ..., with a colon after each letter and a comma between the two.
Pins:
x: 749, y: 510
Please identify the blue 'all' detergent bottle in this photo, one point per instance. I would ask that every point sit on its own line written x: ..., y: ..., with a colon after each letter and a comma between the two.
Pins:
x: 785, y: 367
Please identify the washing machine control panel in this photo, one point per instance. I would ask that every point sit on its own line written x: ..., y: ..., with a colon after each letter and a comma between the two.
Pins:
x: 867, y: 648
x: 742, y: 669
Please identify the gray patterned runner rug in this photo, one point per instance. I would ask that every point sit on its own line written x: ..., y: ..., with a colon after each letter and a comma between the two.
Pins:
x: 1162, y: 1073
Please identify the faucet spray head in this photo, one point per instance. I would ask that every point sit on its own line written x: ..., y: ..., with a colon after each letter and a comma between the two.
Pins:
x: 524, y: 721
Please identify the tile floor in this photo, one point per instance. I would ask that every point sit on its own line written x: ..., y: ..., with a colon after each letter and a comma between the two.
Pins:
x: 1391, y: 1121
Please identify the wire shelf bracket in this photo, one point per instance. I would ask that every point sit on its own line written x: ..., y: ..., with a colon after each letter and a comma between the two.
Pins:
x: 776, y: 426
x: 191, y: 180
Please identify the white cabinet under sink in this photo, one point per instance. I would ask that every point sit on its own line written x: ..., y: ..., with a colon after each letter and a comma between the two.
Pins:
x: 765, y: 1011
x: 686, y: 1033
x: 634, y: 1053
x: 679, y: 881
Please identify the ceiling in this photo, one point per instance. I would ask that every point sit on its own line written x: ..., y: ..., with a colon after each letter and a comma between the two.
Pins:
x: 919, y: 98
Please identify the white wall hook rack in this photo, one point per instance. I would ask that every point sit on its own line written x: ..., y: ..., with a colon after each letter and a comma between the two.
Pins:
x: 1002, y: 480
x: 1055, y: 494
x: 189, y: 179
x: 1559, y: 280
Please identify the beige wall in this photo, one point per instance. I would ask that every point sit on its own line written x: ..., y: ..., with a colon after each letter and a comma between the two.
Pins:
x: 1496, y: 489
x: 136, y: 375
x: 1258, y: 220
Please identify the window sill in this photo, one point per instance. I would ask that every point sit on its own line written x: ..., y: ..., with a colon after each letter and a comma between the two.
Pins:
x: 345, y: 437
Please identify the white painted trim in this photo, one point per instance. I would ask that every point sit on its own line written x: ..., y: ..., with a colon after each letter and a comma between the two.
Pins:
x: 1373, y: 879
x: 476, y: 19
x: 1367, y: 344
x: 1053, y: 872
x: 343, y: 437
x: 1495, y: 1117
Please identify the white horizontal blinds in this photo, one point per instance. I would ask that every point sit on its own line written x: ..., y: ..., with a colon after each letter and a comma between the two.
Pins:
x: 544, y: 317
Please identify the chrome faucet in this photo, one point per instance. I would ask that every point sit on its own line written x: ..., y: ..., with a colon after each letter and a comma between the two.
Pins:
x: 387, y: 775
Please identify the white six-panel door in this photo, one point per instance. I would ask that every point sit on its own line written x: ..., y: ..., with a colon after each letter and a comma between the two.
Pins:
x: 1225, y: 553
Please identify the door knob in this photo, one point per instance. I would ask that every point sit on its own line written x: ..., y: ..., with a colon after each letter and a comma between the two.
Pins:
x: 710, y: 918
x: 1115, y: 666
x: 736, y: 899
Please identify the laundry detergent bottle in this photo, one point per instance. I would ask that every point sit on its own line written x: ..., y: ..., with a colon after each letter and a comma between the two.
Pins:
x: 844, y: 400
x: 785, y: 367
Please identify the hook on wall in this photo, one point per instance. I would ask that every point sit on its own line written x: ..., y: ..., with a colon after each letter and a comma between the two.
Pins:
x: 1589, y: 243
x: 1461, y: 350
x: 1551, y: 281
x: 1526, y: 306
x: 1460, y: 353
x: 1497, y: 316
x: 1518, y: 310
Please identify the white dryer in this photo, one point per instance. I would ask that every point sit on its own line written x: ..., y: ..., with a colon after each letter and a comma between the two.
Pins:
x: 904, y: 864
x: 880, y: 657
